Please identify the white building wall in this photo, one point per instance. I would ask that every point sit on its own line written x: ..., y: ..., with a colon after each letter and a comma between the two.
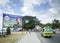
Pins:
x: 1, y: 20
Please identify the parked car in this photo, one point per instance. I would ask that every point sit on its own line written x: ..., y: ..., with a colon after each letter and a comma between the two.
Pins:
x: 3, y: 32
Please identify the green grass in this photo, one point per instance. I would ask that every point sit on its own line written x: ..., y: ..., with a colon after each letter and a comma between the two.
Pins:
x: 11, y: 38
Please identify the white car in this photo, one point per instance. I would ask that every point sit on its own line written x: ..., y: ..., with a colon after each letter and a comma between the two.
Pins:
x: 2, y: 32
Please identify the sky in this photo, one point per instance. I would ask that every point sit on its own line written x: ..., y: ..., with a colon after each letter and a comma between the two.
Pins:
x: 44, y: 10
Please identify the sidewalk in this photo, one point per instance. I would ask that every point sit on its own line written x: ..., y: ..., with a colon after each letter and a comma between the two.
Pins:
x: 30, y: 38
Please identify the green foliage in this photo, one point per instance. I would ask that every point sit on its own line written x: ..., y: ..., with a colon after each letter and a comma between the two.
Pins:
x: 30, y: 24
x: 8, y: 31
x: 55, y: 24
x: 18, y: 25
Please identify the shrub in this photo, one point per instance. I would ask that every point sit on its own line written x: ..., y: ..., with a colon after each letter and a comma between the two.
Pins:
x: 8, y: 31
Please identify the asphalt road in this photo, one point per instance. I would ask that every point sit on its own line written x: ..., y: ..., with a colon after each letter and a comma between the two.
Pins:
x: 54, y: 39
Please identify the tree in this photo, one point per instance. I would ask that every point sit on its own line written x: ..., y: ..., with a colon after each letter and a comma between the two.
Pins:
x: 37, y: 22
x: 48, y: 24
x: 28, y: 22
x: 42, y: 25
x: 55, y: 24
x: 8, y: 30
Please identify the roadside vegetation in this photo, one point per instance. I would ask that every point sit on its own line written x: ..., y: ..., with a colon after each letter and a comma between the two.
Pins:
x: 12, y: 38
x: 55, y: 24
x: 33, y: 21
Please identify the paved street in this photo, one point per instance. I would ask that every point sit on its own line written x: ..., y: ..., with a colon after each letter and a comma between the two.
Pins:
x: 35, y: 37
x: 54, y: 39
x: 29, y: 38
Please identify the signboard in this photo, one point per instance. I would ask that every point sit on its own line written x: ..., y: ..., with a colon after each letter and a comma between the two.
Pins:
x: 13, y: 21
x: 26, y: 21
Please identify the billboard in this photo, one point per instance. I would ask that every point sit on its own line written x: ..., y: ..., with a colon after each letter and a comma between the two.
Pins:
x: 14, y: 21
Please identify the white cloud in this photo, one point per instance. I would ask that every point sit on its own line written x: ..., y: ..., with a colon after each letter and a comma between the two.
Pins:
x: 4, y: 2
x: 55, y: 3
x: 28, y: 5
x: 5, y: 7
x: 44, y: 16
x: 9, y: 10
x: 53, y: 10
x: 27, y: 9
x: 1, y: 11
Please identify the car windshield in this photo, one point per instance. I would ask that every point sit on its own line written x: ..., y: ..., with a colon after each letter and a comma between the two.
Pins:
x: 48, y: 30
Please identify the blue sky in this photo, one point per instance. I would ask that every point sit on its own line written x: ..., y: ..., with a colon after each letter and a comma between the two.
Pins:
x: 42, y: 6
x: 44, y: 10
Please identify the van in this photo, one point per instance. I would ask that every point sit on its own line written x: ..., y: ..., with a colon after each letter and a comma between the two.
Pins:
x: 47, y: 32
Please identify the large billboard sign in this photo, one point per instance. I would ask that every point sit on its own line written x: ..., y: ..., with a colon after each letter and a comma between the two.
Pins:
x: 14, y: 21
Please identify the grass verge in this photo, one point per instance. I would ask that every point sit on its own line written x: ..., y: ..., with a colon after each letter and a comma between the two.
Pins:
x: 11, y: 38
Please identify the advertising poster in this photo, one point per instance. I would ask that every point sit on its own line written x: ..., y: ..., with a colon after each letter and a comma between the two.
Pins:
x: 14, y: 21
